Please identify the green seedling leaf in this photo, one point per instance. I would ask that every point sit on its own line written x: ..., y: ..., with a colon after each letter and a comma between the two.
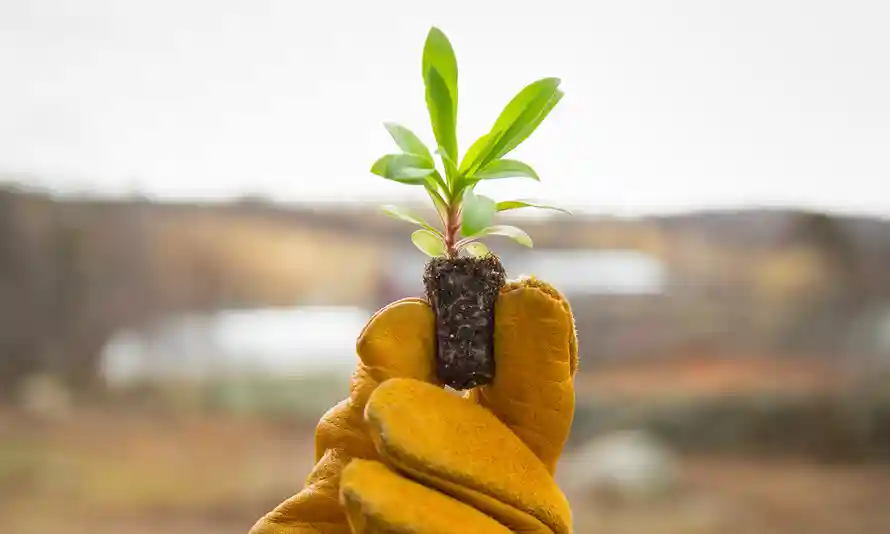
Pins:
x: 441, y: 108
x: 512, y: 232
x: 477, y: 249
x: 438, y: 54
x: 525, y: 132
x: 404, y: 168
x: 428, y: 243
x: 506, y: 168
x: 522, y: 115
x: 451, y: 170
x: 434, y: 182
x: 477, y: 212
x: 440, y: 77
x: 477, y: 152
x: 523, y: 100
x: 407, y: 141
x: 404, y: 215
x: 516, y: 204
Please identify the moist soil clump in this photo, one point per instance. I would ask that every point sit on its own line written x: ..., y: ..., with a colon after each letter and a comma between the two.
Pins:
x: 463, y: 292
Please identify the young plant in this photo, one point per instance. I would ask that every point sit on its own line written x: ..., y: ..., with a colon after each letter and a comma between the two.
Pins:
x: 463, y: 278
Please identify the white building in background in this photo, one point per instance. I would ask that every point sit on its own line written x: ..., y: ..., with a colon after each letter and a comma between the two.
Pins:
x: 584, y: 272
x: 280, y: 341
x: 575, y: 272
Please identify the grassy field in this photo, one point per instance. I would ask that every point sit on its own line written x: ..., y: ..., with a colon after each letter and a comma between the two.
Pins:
x: 134, y: 473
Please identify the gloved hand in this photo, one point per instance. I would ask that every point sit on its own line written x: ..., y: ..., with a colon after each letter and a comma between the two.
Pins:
x: 403, y: 454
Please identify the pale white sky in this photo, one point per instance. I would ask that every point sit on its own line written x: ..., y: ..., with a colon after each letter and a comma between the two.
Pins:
x: 669, y: 104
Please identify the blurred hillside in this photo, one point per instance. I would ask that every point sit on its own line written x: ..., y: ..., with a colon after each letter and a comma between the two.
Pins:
x: 73, y: 272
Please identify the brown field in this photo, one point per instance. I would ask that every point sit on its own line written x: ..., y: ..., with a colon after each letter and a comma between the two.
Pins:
x: 103, y: 473
x: 705, y: 375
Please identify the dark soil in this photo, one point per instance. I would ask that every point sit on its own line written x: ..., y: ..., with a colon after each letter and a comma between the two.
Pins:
x: 463, y: 292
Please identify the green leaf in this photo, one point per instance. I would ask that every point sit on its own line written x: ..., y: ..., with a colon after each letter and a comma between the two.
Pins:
x: 512, y: 232
x: 428, y: 243
x: 438, y: 54
x: 440, y: 77
x: 407, y: 141
x: 522, y: 115
x: 404, y: 215
x: 434, y: 182
x: 516, y: 204
x: 442, y: 112
x: 506, y: 168
x: 405, y: 168
x: 477, y: 212
x: 525, y: 132
x: 477, y: 249
x: 451, y: 170
x: 477, y: 151
x: 523, y: 99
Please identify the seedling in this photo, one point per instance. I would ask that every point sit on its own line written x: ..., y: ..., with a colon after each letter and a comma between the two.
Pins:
x: 463, y: 277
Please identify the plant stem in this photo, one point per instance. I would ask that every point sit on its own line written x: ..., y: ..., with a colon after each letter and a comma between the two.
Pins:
x: 452, y: 225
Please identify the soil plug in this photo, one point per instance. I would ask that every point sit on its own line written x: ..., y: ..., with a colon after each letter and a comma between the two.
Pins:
x: 463, y: 277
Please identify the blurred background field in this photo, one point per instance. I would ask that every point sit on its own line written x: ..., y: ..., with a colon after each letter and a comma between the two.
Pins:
x: 190, y: 243
x: 164, y: 366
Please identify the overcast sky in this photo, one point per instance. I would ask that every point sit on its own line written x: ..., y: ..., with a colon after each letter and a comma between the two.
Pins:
x: 669, y: 105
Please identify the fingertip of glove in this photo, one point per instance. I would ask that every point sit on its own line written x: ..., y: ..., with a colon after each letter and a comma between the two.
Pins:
x: 532, y: 282
x: 411, y: 304
x: 529, y: 289
x: 398, y: 341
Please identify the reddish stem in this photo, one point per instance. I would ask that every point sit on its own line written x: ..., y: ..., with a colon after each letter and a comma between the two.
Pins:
x: 452, y: 225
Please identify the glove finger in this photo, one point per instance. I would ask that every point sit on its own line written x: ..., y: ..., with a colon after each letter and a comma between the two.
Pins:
x: 536, y: 355
x: 399, y: 341
x: 459, y: 448
x: 396, y: 342
x: 379, y: 500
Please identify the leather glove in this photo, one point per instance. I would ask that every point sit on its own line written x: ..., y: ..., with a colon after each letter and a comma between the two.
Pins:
x: 403, y: 454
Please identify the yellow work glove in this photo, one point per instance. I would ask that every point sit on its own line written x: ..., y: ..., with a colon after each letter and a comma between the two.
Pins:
x: 404, y: 455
